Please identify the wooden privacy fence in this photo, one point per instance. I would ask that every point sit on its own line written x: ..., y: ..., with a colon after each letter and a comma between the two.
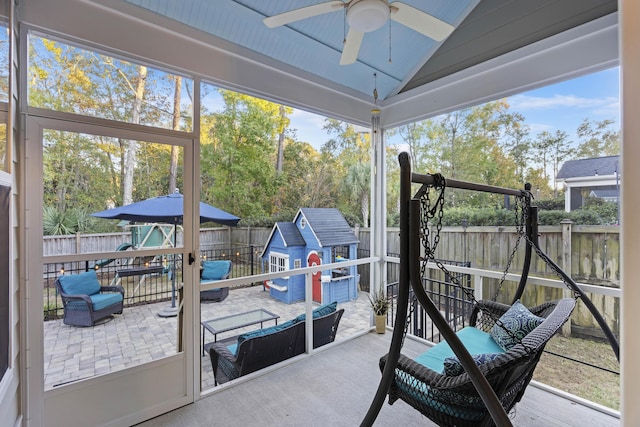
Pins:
x: 590, y: 254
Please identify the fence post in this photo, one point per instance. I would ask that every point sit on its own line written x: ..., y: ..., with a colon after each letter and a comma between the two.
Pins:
x: 251, y: 258
x: 477, y: 287
x: 566, y: 265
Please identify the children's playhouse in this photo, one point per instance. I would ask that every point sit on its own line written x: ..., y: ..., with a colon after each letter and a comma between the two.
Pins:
x: 316, y: 236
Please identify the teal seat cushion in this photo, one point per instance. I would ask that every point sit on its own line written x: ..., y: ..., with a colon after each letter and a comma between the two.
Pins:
x: 467, y: 407
x: 215, y: 270
x: 516, y: 323
x: 474, y: 340
x: 321, y: 311
x: 233, y: 348
x: 98, y: 301
x: 80, y: 284
x: 265, y: 331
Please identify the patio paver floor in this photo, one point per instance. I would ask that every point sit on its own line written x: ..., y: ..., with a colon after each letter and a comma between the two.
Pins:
x: 139, y: 335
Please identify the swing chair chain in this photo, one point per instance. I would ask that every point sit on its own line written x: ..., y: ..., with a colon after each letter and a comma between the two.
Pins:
x: 521, y: 216
x: 432, y: 212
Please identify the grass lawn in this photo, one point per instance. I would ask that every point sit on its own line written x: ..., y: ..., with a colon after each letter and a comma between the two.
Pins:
x: 585, y: 381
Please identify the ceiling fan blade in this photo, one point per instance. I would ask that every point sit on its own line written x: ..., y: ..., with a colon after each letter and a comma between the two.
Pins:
x: 351, y: 47
x: 302, y: 13
x: 420, y: 21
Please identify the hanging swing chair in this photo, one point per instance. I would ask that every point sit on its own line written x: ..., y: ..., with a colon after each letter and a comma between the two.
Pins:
x: 447, y: 384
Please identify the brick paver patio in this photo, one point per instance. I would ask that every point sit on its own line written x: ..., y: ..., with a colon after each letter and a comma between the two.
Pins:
x: 139, y: 335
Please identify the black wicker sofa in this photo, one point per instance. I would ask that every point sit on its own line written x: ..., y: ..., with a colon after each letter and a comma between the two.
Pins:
x: 237, y: 356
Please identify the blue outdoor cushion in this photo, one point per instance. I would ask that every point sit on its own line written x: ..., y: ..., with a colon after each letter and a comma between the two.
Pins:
x: 98, y: 301
x: 474, y: 340
x: 215, y: 270
x: 321, y: 311
x: 84, y: 283
x: 453, y: 367
x: 232, y: 348
x: 265, y: 331
x: 518, y: 321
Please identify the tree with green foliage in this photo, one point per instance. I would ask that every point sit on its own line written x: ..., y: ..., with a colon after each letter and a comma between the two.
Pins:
x: 241, y: 157
x: 351, y: 149
x: 597, y: 139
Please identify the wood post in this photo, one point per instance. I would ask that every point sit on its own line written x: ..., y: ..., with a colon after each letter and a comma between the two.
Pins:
x: 566, y: 265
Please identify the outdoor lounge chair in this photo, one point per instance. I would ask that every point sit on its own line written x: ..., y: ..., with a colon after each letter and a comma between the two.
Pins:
x: 85, y: 301
x: 213, y: 271
x: 238, y: 356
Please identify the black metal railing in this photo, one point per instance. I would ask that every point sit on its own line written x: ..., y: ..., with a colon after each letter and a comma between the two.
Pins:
x: 449, y: 297
x: 145, y: 280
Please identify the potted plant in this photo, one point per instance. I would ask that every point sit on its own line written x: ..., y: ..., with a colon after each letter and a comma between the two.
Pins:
x: 380, y: 306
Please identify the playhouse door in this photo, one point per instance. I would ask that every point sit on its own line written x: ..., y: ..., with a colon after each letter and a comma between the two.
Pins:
x: 316, y: 292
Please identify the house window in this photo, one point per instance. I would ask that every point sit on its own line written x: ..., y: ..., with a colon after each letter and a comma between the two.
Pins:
x: 278, y: 262
x: 297, y: 263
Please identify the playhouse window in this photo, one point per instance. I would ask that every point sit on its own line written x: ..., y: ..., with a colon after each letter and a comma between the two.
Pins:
x: 297, y: 263
x: 340, y: 253
x: 278, y: 262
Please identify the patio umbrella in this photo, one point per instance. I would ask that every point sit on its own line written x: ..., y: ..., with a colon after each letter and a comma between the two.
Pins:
x: 167, y: 209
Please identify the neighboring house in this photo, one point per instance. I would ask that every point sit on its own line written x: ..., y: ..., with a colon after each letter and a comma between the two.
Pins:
x: 596, y: 177
x: 316, y: 236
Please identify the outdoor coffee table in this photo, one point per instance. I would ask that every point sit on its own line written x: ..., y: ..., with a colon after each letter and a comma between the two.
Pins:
x: 236, y: 321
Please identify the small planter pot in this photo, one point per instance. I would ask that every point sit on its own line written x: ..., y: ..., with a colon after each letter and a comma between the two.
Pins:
x: 381, y: 321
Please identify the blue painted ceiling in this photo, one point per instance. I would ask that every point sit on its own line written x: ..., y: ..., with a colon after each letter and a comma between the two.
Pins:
x: 314, y: 45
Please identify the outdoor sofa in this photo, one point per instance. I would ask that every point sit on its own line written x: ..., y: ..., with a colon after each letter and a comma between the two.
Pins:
x: 237, y: 356
x: 85, y: 301
x: 213, y: 271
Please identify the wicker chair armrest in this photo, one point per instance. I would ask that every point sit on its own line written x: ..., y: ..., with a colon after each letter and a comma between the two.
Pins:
x: 484, y: 310
x: 219, y: 349
x: 460, y: 383
x: 223, y: 362
x: 83, y: 297
x: 112, y: 289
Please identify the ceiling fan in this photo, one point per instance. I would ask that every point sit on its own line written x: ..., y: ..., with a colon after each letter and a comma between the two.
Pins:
x: 364, y: 16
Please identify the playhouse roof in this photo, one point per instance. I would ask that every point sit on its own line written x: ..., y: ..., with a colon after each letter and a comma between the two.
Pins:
x: 290, y: 235
x: 328, y: 225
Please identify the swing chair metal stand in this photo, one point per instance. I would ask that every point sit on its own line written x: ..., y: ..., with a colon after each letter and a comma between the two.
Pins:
x: 409, y: 277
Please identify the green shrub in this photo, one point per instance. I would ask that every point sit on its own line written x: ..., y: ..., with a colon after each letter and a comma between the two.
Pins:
x: 556, y: 204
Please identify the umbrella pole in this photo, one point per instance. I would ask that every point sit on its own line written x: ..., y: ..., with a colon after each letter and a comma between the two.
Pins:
x: 173, y: 310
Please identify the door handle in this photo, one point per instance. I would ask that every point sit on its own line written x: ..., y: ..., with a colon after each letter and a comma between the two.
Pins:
x: 191, y: 259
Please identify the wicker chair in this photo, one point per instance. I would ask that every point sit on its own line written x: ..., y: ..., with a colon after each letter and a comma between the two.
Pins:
x: 453, y: 400
x: 85, y: 301
x: 285, y: 341
x: 212, y: 271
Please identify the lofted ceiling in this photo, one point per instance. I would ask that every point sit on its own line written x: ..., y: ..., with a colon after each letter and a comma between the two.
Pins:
x: 497, y: 48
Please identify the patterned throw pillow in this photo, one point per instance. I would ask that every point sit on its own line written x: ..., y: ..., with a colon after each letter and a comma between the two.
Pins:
x: 518, y: 322
x: 453, y: 367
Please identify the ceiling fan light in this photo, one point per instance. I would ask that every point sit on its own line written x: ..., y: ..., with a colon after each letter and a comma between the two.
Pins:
x: 368, y: 15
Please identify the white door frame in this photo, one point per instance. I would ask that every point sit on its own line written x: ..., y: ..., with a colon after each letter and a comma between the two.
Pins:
x: 134, y: 394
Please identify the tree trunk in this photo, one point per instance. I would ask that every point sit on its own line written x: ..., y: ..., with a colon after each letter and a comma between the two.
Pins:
x: 173, y: 166
x: 280, y: 160
x: 131, y: 146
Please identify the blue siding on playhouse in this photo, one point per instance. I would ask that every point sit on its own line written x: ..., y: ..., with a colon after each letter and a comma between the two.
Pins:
x: 284, y: 241
x: 314, y: 230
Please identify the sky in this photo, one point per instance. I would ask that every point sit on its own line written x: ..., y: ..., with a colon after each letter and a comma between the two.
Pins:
x: 562, y: 106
